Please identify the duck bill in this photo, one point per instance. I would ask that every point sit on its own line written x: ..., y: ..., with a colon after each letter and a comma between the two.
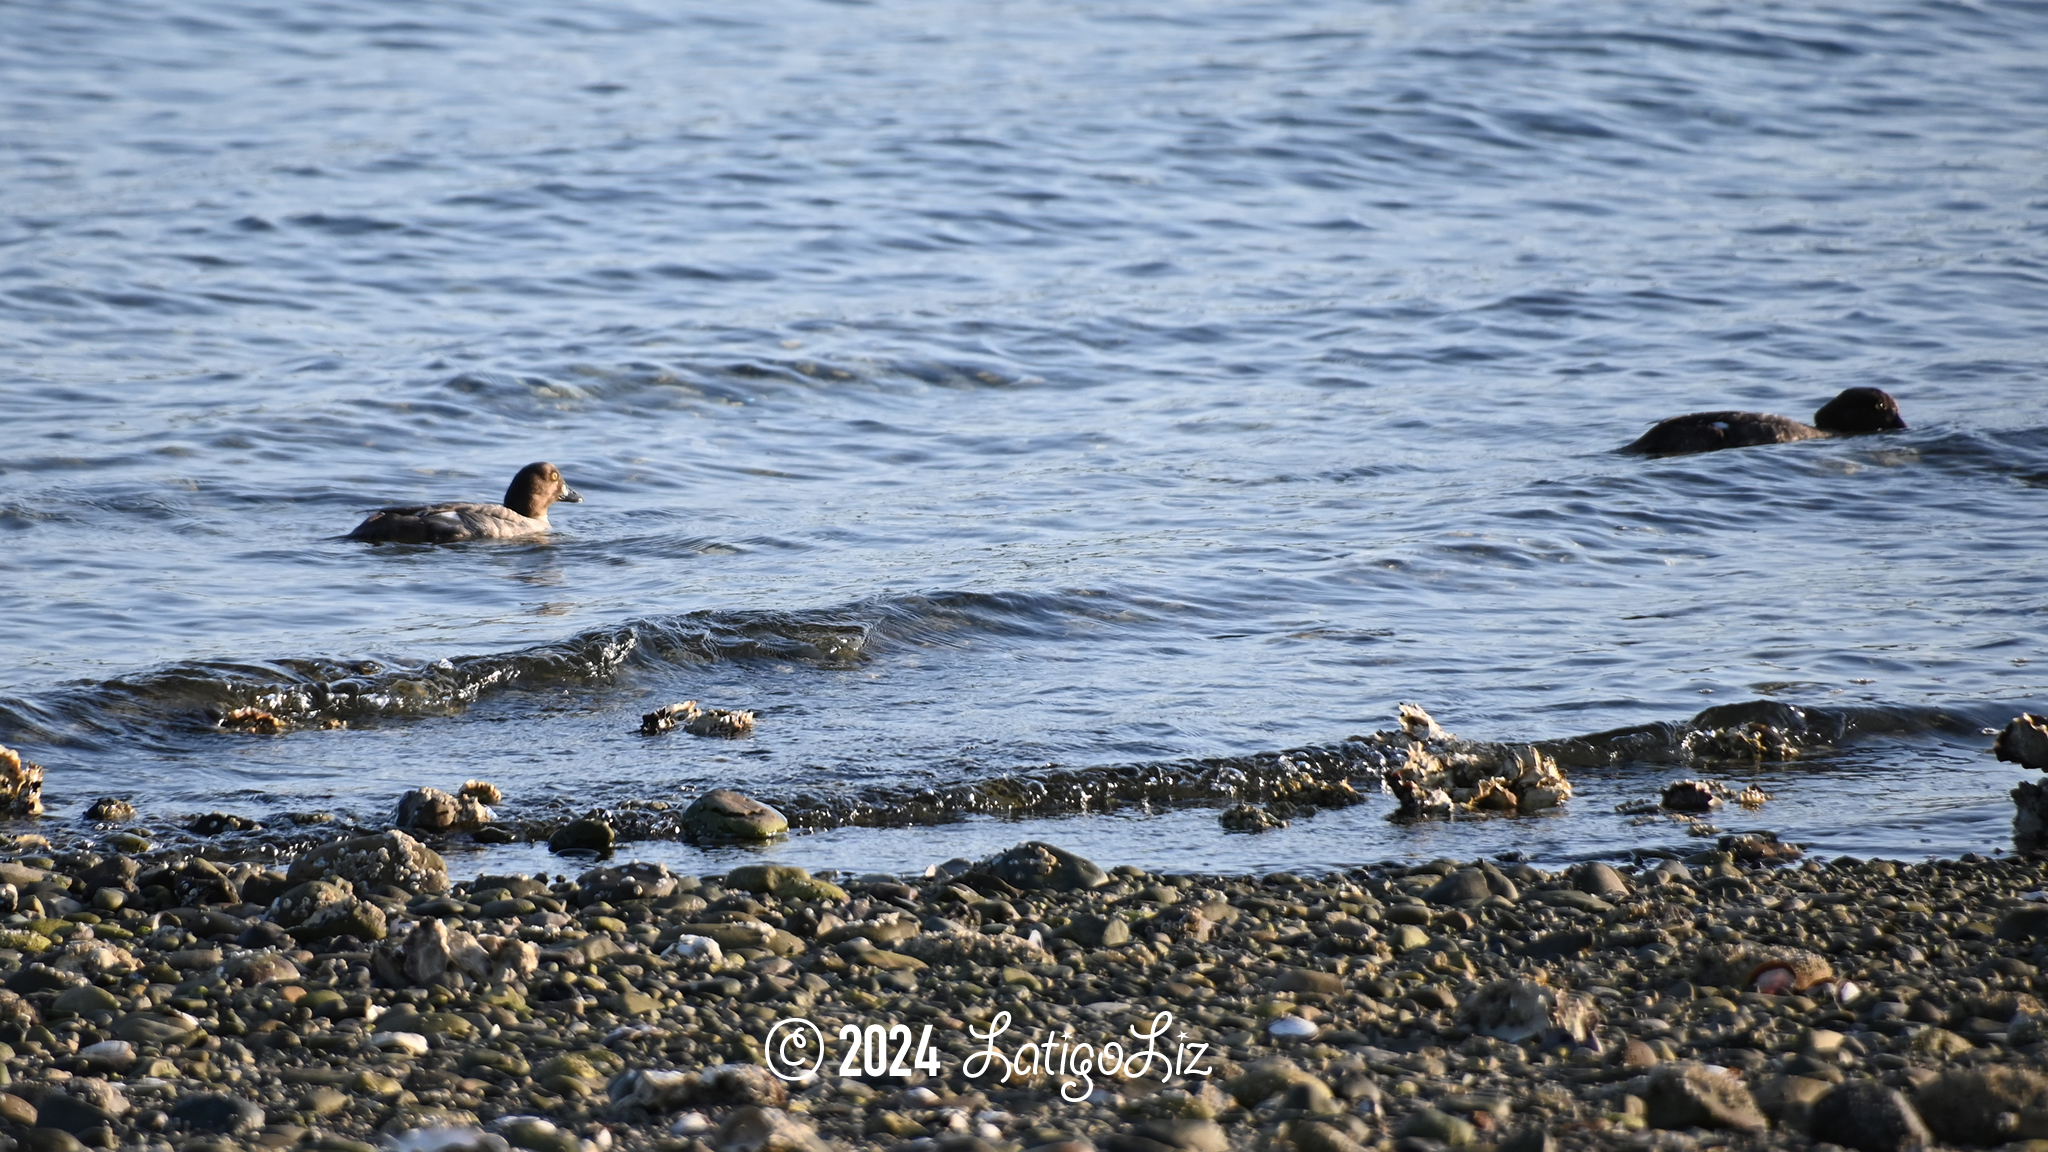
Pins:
x: 570, y: 495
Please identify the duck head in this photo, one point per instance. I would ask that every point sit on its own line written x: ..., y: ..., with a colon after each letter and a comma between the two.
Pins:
x: 537, y: 486
x: 1859, y: 410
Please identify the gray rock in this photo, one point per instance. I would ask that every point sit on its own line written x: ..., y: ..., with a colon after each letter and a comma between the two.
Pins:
x: 1534, y: 1138
x: 1988, y: 1106
x: 1789, y: 1100
x: 1498, y: 882
x: 51, y: 1140
x: 296, y: 906
x: 1037, y: 866
x: 2030, y: 817
x: 1098, y: 931
x: 1574, y: 899
x: 636, y: 881
x: 82, y: 1001
x: 1601, y: 880
x: 1430, y: 1124
x: 154, y: 1028
x: 757, y: 1129
x: 1691, y: 1096
x: 538, y: 1135
x: 1867, y: 1115
x: 588, y: 834
x: 70, y: 1114
x: 262, y: 967
x: 358, y: 918
x: 723, y: 816
x: 393, y: 858
x: 1311, y: 981
x: 264, y: 886
x: 432, y: 810
x: 2027, y: 923
x: 1464, y: 885
x: 217, y: 1112
x: 1187, y: 1135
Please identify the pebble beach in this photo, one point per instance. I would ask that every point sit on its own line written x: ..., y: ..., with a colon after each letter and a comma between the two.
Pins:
x: 355, y: 996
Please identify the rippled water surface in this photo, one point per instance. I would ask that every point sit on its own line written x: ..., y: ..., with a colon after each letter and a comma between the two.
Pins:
x: 1025, y: 390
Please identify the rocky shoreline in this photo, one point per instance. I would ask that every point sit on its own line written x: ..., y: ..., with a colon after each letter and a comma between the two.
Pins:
x: 358, y: 997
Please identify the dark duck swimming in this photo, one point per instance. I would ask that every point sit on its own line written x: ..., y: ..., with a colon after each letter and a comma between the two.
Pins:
x: 1856, y: 412
x: 524, y: 513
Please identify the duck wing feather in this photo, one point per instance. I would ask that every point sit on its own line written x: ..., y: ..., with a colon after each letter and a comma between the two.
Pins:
x: 1712, y: 431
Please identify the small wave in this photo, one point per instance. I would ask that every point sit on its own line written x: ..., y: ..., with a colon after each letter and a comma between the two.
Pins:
x: 309, y: 690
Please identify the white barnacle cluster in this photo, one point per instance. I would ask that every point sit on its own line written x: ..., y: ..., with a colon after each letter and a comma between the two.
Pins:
x: 1443, y: 775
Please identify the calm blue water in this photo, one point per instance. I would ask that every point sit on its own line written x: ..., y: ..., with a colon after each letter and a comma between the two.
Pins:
x: 973, y: 389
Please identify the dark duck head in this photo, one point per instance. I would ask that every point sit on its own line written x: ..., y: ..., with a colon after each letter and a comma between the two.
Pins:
x: 539, y: 485
x: 1858, y: 411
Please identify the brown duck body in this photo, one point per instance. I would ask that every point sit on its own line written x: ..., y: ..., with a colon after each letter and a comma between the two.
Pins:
x: 1856, y: 412
x: 524, y: 513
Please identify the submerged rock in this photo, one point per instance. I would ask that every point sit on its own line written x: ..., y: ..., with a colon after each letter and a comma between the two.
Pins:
x: 110, y: 810
x: 1690, y: 796
x: 1249, y: 818
x: 723, y: 815
x: 253, y: 721
x: 587, y: 834
x: 216, y: 823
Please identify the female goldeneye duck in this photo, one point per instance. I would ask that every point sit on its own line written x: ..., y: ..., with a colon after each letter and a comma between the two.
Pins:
x: 1853, y: 413
x: 524, y: 513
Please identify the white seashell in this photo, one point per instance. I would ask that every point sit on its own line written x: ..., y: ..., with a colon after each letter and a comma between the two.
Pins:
x: 1292, y: 1028
x: 407, y: 1043
x: 696, y: 950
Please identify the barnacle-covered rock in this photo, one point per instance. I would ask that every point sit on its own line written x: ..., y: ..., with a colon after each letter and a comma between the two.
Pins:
x: 1249, y: 818
x: 1443, y: 774
x: 432, y: 810
x: 2024, y: 742
x: 21, y: 785
x: 1518, y: 1010
x: 253, y: 721
x: 1690, y: 796
x: 392, y: 858
x: 1751, y: 743
x: 697, y: 721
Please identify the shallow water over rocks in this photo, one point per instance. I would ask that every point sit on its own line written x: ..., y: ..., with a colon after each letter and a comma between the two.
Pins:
x: 1064, y: 406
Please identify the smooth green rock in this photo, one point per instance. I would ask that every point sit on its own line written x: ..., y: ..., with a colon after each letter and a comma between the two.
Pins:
x: 84, y: 999
x: 723, y: 815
